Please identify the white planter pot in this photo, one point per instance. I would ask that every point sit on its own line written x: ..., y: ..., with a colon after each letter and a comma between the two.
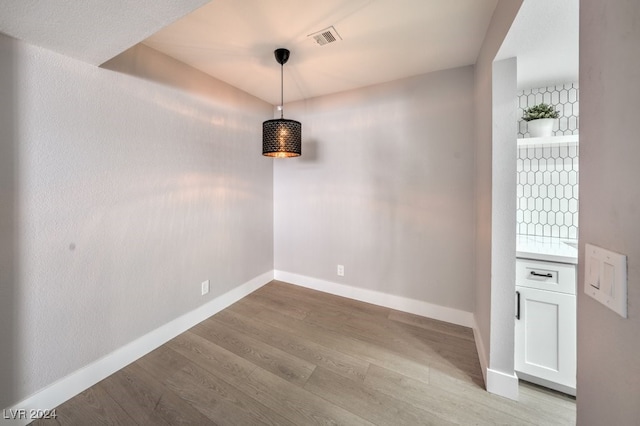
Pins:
x: 541, y: 127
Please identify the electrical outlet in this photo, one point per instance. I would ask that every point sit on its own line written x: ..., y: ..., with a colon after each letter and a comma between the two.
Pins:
x: 205, y: 287
x: 341, y: 270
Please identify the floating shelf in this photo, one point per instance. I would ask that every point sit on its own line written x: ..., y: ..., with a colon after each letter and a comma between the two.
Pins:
x: 549, y: 140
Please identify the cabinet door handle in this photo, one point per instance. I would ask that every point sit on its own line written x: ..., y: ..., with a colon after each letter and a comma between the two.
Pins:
x: 517, y: 305
x: 535, y: 274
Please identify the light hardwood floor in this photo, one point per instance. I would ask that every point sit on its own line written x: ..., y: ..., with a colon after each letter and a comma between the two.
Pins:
x: 286, y: 355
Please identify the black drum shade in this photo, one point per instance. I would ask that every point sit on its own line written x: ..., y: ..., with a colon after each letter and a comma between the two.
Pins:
x: 281, y: 138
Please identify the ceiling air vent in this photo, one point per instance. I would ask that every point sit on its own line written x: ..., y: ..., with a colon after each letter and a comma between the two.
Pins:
x: 326, y: 36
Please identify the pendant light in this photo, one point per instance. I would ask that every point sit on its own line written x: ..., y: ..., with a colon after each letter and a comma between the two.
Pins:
x: 281, y: 138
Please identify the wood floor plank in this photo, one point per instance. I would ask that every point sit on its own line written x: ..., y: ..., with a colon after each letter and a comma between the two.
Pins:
x: 446, y: 405
x: 219, y: 400
x: 147, y: 401
x: 334, y: 340
x: 302, y: 294
x: 287, y: 355
x: 432, y: 325
x: 206, y: 392
x: 446, y: 352
x: 95, y: 404
x: 519, y: 413
x: 270, y: 358
x: 396, y: 333
x: 556, y: 408
x: 162, y: 362
x: 369, y: 403
x: 297, y: 404
x: 303, y: 348
x: 292, y: 310
x: 211, y: 357
x: 546, y: 396
x: 316, y: 306
x: 443, y: 349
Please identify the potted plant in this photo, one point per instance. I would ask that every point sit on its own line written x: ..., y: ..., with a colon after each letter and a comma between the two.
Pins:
x: 540, y: 119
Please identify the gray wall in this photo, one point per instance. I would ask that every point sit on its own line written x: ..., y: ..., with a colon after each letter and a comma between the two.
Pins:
x: 501, y: 21
x: 119, y: 196
x: 9, y: 248
x: 384, y: 187
x: 608, y: 345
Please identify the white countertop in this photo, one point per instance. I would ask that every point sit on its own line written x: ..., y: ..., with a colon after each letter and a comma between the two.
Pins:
x: 549, y: 249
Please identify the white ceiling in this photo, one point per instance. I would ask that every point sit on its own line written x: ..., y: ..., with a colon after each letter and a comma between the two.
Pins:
x: 545, y: 39
x: 382, y: 40
x: 90, y: 30
x: 233, y: 40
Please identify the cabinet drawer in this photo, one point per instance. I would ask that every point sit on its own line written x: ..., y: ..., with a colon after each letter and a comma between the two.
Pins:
x: 560, y: 277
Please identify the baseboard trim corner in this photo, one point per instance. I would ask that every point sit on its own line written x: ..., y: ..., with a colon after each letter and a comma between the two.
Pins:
x: 404, y: 304
x: 87, y: 376
x: 502, y: 384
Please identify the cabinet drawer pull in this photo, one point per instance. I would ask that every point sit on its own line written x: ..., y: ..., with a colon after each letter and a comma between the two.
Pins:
x: 535, y: 274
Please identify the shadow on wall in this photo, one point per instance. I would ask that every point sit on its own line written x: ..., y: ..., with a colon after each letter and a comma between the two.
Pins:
x: 309, y: 150
x: 9, y: 215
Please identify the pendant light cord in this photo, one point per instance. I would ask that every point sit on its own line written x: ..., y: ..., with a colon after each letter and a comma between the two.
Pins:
x: 281, y: 91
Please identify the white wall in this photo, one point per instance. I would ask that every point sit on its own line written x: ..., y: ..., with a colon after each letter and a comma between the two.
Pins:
x: 119, y: 196
x: 608, y: 388
x: 501, y: 21
x: 503, y: 224
x: 384, y: 187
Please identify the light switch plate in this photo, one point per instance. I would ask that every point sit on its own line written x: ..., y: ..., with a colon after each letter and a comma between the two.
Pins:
x: 605, y: 280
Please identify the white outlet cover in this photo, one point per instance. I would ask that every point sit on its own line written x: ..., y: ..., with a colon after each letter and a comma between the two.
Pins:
x: 605, y: 278
x: 205, y: 287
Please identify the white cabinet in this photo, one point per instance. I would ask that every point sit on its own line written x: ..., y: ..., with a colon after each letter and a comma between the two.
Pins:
x: 545, y: 334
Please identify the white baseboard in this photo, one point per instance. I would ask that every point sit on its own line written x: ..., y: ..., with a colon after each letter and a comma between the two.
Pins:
x: 502, y: 384
x: 495, y: 381
x: 417, y: 307
x: 484, y: 362
x: 71, y: 385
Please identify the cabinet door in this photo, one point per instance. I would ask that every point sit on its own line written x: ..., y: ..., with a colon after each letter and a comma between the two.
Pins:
x: 545, y: 336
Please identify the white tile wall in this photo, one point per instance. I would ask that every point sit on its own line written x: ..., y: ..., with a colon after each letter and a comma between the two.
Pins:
x: 564, y: 97
x: 547, y: 181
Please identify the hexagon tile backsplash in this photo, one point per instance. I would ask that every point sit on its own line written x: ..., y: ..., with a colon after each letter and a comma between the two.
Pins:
x: 547, y: 180
x: 564, y: 97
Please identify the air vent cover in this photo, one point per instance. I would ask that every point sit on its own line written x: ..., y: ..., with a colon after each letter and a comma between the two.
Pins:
x: 326, y: 36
